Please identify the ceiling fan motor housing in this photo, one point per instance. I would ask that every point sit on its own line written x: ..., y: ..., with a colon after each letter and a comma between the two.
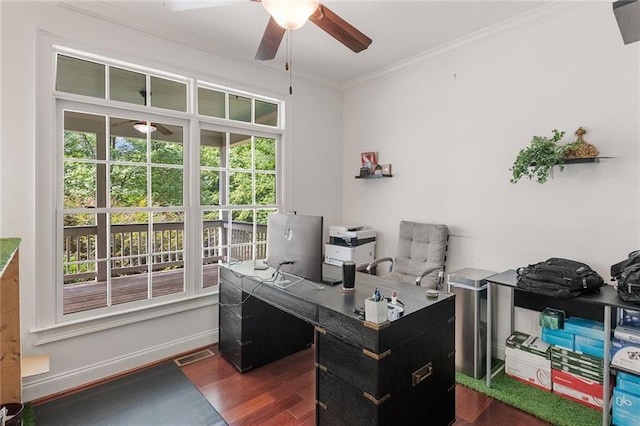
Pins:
x: 290, y: 14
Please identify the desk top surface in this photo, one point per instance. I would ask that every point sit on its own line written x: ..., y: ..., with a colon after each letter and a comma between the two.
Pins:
x: 331, y: 297
x: 608, y: 294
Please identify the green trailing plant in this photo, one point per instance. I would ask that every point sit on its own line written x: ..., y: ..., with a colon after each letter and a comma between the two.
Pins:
x: 537, y: 159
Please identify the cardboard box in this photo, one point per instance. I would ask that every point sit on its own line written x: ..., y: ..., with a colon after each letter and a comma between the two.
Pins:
x: 590, y: 350
x: 528, y: 343
x: 558, y: 338
x: 619, y: 420
x: 631, y: 334
x: 577, y: 382
x: 577, y: 396
x: 630, y: 317
x: 563, y: 352
x: 625, y: 355
x: 626, y: 408
x: 587, y: 374
x: 589, y: 341
x: 536, y: 373
x: 631, y: 386
x: 552, y: 319
x: 585, y: 327
x: 629, y: 377
x: 577, y: 362
x: 578, y: 388
x: 528, y: 357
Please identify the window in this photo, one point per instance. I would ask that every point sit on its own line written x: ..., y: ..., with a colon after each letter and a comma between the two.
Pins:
x: 123, y: 211
x: 128, y: 199
x: 238, y: 191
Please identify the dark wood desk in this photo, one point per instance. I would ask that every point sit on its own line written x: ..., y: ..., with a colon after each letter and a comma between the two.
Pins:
x: 399, y: 372
x: 595, y: 306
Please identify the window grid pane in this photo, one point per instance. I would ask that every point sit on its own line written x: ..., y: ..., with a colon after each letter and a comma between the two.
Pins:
x: 80, y: 76
x: 126, y: 248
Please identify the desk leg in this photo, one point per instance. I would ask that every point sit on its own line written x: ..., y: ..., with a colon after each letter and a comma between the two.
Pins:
x: 489, y: 329
x: 607, y: 367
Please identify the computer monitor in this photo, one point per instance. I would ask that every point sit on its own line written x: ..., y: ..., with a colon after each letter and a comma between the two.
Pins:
x: 295, y: 238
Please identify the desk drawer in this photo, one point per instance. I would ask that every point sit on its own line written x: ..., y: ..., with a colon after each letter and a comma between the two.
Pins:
x: 341, y: 404
x: 231, y: 348
x: 390, y: 372
x: 257, y: 333
x: 230, y: 297
x: 243, y: 327
x: 369, y: 373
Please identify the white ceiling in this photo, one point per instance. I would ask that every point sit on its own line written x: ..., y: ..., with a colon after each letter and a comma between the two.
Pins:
x: 400, y: 30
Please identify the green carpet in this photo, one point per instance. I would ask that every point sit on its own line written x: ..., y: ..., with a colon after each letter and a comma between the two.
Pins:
x: 28, y: 419
x: 544, y: 405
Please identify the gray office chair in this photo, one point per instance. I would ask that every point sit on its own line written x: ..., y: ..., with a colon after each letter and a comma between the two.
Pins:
x: 421, y: 255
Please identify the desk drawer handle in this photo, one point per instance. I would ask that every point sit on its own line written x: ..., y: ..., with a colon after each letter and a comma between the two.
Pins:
x: 422, y: 373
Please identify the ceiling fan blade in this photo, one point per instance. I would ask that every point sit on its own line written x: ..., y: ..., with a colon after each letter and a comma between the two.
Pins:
x: 340, y: 29
x: 270, y: 42
x: 162, y: 129
x: 121, y: 123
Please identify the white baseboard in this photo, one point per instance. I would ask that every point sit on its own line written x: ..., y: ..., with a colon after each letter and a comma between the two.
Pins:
x: 39, y: 388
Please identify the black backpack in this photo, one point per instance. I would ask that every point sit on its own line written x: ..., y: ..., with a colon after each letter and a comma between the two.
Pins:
x: 562, y: 278
x: 627, y: 276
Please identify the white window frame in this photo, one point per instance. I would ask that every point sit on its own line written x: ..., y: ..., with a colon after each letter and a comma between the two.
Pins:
x: 51, y: 325
x: 192, y: 280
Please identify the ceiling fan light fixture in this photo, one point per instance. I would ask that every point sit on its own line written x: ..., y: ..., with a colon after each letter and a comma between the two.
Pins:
x: 290, y: 14
x: 144, y: 127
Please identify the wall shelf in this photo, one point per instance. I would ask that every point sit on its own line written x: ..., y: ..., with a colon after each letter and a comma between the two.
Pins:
x: 374, y: 176
x: 582, y: 160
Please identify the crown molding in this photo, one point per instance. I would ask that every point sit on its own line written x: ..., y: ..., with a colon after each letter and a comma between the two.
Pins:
x: 532, y: 18
x: 106, y: 11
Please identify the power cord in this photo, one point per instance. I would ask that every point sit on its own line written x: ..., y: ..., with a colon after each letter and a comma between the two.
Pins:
x: 274, y: 277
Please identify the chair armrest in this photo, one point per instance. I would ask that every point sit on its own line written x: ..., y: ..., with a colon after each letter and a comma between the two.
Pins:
x: 375, y: 263
x: 427, y: 272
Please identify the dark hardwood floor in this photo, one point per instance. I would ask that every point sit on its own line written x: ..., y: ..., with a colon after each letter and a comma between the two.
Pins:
x: 283, y: 393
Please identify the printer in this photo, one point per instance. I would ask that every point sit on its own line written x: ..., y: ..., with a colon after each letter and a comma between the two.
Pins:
x: 350, y: 242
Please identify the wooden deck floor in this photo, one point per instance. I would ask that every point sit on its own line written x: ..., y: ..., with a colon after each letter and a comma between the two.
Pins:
x: 91, y: 295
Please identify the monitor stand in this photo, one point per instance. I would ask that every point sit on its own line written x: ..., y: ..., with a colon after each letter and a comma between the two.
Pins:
x: 282, y: 281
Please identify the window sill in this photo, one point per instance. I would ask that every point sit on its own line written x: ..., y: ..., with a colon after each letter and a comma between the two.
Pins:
x: 76, y: 328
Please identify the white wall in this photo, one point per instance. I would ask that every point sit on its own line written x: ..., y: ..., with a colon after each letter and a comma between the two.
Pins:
x: 79, y: 360
x: 453, y: 125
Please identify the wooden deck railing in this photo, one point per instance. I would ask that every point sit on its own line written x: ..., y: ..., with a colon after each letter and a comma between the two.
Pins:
x: 130, y: 245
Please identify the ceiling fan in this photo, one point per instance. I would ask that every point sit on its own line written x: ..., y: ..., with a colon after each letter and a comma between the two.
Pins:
x: 144, y: 126
x: 290, y: 15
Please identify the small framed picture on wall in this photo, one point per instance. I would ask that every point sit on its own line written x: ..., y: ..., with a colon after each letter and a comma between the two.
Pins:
x: 369, y: 160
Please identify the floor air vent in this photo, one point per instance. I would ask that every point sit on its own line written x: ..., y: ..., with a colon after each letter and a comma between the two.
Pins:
x: 188, y: 359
